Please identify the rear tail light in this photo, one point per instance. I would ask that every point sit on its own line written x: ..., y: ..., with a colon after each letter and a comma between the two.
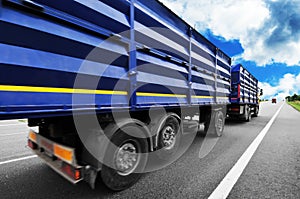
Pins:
x: 235, y: 109
x: 71, y: 171
x: 239, y: 91
x: 77, y: 174
x: 32, y: 144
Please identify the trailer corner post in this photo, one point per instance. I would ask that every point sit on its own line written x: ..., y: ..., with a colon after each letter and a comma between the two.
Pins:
x: 190, y: 34
x: 215, y: 76
x: 132, y: 58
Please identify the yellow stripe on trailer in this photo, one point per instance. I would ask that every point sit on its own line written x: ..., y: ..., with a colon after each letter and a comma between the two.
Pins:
x: 202, y: 97
x: 59, y: 90
x: 13, y: 88
x: 223, y: 97
x: 141, y: 94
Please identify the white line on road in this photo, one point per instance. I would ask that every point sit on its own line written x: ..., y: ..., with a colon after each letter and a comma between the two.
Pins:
x: 4, y: 125
x: 1, y: 135
x: 18, y: 159
x: 226, y: 185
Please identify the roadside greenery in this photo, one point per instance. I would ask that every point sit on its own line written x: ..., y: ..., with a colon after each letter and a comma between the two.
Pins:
x: 295, y: 104
x: 293, y: 98
x: 294, y: 101
x: 263, y: 100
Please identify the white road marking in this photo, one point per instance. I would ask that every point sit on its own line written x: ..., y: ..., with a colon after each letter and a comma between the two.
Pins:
x: 4, y: 125
x: 1, y: 135
x: 18, y: 159
x: 226, y: 185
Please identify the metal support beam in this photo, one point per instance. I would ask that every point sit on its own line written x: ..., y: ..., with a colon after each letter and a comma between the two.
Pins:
x: 132, y: 58
x: 190, y: 67
x: 216, y: 75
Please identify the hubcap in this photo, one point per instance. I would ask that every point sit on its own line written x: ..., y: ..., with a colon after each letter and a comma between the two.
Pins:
x: 169, y: 137
x: 126, y: 159
x: 219, y: 122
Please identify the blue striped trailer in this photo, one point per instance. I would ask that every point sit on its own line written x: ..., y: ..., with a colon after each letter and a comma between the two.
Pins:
x: 244, y: 97
x: 108, y: 84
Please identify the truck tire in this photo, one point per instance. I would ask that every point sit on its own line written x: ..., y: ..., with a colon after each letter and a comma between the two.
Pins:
x: 216, y: 124
x: 125, y: 159
x: 169, y: 137
x: 219, y: 122
x: 256, y: 111
x: 247, y: 115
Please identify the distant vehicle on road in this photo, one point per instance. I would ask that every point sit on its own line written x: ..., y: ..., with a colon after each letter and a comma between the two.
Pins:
x: 274, y: 101
x: 244, y: 96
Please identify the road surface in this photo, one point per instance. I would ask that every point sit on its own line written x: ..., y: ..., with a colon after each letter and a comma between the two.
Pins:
x: 272, y: 172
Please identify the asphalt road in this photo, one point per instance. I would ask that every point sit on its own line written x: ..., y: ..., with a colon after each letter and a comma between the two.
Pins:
x: 273, y: 171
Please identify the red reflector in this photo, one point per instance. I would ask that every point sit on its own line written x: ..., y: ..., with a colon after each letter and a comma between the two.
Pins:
x: 32, y: 145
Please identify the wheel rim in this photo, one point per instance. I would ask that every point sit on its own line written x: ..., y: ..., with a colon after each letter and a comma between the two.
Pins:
x: 219, y: 123
x: 127, y: 158
x: 169, y: 137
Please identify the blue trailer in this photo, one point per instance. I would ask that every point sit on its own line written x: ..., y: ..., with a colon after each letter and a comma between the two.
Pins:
x: 244, y: 97
x: 108, y: 83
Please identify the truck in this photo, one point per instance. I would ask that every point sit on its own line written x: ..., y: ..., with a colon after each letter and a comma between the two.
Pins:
x: 244, y: 95
x: 108, y: 86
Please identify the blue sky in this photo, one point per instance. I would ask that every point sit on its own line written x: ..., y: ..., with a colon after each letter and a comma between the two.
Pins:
x: 263, y: 35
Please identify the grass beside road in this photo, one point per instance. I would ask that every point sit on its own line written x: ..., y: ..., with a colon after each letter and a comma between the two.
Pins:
x: 295, y: 104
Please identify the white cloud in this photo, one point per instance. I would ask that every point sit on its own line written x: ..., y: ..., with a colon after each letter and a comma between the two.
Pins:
x: 269, y: 31
x: 175, y: 6
x: 229, y: 19
x: 288, y: 85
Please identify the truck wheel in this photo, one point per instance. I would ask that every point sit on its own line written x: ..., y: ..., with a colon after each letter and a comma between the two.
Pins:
x: 216, y: 124
x: 247, y: 114
x: 256, y: 111
x: 125, y: 159
x: 219, y: 122
x: 169, y: 136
